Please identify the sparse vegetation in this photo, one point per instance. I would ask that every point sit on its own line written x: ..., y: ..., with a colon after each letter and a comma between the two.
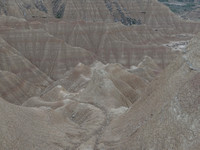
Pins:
x: 58, y: 8
x: 181, y: 8
x: 185, y: 6
x: 122, y: 16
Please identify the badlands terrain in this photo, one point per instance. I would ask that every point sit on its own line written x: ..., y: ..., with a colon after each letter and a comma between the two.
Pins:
x: 187, y: 9
x: 98, y: 75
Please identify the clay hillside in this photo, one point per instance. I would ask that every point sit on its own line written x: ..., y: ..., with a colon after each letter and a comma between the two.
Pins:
x: 99, y: 75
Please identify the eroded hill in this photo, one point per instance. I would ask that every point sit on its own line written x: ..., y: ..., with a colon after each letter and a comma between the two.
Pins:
x: 97, y: 75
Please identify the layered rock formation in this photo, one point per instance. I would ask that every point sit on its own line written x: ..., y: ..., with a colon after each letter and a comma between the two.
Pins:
x: 51, y: 55
x: 111, y: 34
x: 20, y: 79
x: 80, y: 75
x: 43, y: 128
x: 147, y: 69
x: 63, y: 116
x: 114, y: 110
x: 167, y: 115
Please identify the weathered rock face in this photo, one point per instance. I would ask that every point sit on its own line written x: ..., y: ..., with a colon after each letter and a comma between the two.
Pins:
x: 114, y: 43
x: 70, y: 100
x: 74, y: 80
x: 126, y: 12
x: 13, y: 22
x: 63, y: 119
x: 164, y: 113
x: 51, y: 129
x: 147, y: 69
x: 16, y: 90
x: 99, y: 32
x: 55, y: 8
x: 166, y: 117
x: 23, y: 8
x: 49, y: 54
x: 103, y: 85
x: 20, y: 79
